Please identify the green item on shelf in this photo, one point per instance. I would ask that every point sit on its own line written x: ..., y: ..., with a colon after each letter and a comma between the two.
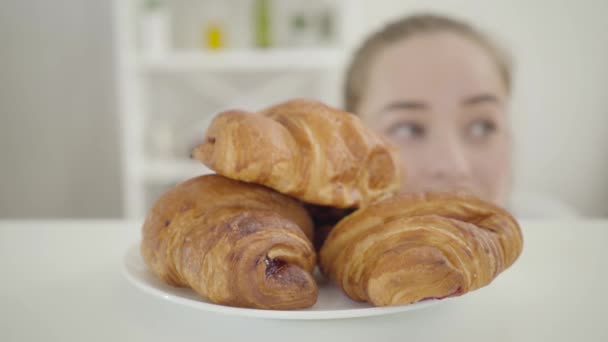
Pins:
x: 262, y: 23
x: 152, y: 4
x: 298, y: 22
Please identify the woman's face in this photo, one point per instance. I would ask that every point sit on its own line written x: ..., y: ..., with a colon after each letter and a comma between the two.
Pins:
x: 440, y: 98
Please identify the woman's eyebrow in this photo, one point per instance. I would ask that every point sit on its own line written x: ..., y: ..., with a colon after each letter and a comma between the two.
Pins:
x: 405, y: 104
x: 480, y: 99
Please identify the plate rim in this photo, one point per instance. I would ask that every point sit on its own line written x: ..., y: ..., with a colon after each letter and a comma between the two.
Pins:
x: 304, y: 314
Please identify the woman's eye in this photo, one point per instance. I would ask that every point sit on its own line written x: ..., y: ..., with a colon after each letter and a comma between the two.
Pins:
x: 481, y: 129
x: 406, y: 130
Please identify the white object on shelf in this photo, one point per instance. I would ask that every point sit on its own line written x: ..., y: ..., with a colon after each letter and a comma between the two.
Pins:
x: 155, y: 30
x: 245, y: 59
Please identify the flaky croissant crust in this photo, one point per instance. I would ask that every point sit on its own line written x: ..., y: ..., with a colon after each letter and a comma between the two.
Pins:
x: 305, y: 149
x: 234, y: 243
x: 413, y: 247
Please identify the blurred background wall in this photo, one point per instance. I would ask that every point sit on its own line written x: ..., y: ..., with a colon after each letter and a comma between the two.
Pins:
x: 60, y: 142
x: 58, y: 126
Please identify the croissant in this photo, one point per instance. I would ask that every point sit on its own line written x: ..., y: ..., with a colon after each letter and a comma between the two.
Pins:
x: 408, y: 248
x: 304, y: 149
x: 234, y: 243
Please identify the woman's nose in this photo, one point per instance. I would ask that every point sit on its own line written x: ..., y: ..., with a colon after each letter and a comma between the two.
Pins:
x: 448, y: 160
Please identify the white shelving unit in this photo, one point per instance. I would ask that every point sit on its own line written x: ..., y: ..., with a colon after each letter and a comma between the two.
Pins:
x: 184, y: 87
x: 244, y: 60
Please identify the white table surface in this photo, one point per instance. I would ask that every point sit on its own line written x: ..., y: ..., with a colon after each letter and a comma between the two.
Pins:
x: 62, y: 281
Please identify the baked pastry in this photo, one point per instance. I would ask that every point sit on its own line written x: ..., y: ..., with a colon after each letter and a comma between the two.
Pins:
x: 304, y: 149
x: 408, y: 248
x: 234, y: 243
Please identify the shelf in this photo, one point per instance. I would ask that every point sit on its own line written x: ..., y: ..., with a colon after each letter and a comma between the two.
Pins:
x: 172, y: 171
x: 245, y: 59
x: 189, y: 79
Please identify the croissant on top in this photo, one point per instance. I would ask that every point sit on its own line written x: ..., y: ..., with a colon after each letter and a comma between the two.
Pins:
x: 305, y: 149
x: 234, y: 243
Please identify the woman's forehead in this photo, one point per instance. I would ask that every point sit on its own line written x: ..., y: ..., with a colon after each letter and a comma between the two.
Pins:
x: 437, y: 65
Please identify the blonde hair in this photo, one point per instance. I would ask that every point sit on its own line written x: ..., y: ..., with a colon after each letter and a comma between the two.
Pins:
x: 408, y: 27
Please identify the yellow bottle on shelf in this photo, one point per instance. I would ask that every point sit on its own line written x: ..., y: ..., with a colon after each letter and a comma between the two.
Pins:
x: 213, y: 36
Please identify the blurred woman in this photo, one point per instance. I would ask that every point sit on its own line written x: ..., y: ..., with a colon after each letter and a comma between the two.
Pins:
x: 440, y: 90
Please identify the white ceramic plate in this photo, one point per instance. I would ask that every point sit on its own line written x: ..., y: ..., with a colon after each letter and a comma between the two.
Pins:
x: 331, y: 304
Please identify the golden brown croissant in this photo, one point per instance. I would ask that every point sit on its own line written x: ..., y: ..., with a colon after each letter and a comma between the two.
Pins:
x: 234, y: 243
x: 413, y: 247
x: 305, y: 149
